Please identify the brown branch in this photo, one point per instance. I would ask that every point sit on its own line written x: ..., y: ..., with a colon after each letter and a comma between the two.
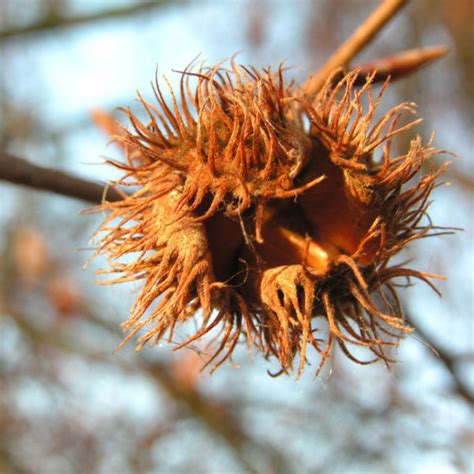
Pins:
x: 215, y: 415
x: 353, y: 45
x: 399, y: 65
x: 19, y: 171
x: 449, y: 361
x: 8, y: 464
x: 53, y: 21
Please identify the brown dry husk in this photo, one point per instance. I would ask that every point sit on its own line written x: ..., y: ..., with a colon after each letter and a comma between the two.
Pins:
x: 273, y: 213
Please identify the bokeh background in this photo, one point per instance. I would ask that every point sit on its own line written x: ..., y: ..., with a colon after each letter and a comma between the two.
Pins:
x: 69, y: 403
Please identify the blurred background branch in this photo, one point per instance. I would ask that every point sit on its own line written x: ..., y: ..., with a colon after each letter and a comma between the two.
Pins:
x: 53, y: 19
x: 448, y: 360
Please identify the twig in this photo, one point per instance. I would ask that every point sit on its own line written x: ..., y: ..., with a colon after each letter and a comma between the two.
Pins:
x: 19, y: 171
x: 353, y: 45
x: 399, y: 65
x: 214, y: 415
x: 448, y: 360
x: 8, y: 464
x: 53, y: 20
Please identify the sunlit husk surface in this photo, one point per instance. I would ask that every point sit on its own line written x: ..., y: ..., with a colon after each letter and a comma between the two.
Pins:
x: 268, y: 216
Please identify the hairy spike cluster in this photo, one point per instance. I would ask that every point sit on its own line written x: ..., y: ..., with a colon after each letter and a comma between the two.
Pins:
x: 268, y: 215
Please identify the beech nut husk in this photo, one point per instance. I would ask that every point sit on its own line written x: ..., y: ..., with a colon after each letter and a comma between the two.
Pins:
x: 269, y: 216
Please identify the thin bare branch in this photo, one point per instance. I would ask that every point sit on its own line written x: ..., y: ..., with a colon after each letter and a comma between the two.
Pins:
x: 8, y: 464
x: 213, y: 414
x: 353, y: 45
x: 399, y: 65
x: 19, y: 171
x: 449, y: 361
x: 54, y: 21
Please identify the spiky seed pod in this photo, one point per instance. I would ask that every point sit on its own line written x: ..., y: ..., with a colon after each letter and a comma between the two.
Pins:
x: 269, y: 212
